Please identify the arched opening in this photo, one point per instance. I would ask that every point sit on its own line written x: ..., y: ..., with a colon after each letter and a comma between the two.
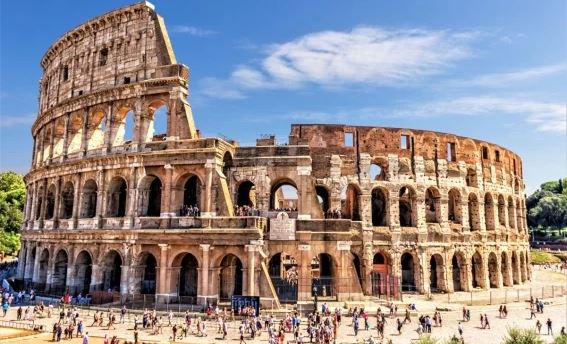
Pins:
x: 246, y: 194
x: 188, y: 279
x: 148, y: 267
x: 493, y: 270
x: 59, y: 277
x: 157, y: 128
x: 471, y: 178
x: 75, y: 135
x: 227, y: 164
x: 84, y: 270
x: 46, y: 143
x: 377, y: 172
x: 111, y: 271
x: 489, y: 212
x: 511, y: 213
x: 123, y: 127
x: 407, y: 205
x: 283, y: 196
x: 192, y: 192
x: 455, y: 213
x: 474, y: 213
x: 459, y: 274
x: 50, y: 206
x: 58, y: 136
x: 41, y: 280
x: 515, y: 269
x: 323, y: 273
x: 350, y: 196
x: 437, y: 274
x: 477, y: 270
x: 117, y: 194
x: 432, y: 205
x: 523, y: 270
x: 519, y: 217
x: 97, y: 127
x: 39, y: 203
x: 505, y: 270
x: 149, y: 196
x: 67, y: 198
x: 284, y: 275
x: 357, y: 267
x: 501, y: 211
x: 230, y: 277
x: 89, y: 199
x: 380, y: 274
x: 409, y: 268
x: 379, y: 207
x: 322, y: 198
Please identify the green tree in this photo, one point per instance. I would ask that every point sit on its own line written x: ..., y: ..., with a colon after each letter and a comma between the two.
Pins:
x: 12, y: 201
x: 522, y: 336
x: 547, y: 206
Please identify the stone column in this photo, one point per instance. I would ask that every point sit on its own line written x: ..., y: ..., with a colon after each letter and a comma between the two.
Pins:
x: 251, y: 269
x: 29, y: 263
x: 43, y: 204
x: 84, y: 137
x: 96, y: 279
x: 425, y: 285
x: 100, y: 196
x: 33, y: 207
x: 76, y: 199
x: 65, y: 139
x: 207, y: 206
x: 304, y: 193
x: 166, y: 193
x: 486, y: 274
x: 205, y: 271
x: 35, y: 275
x: 304, y: 287
x: 41, y: 146
x: 49, y: 275
x: 132, y: 202
x: 367, y: 258
x: 51, y: 141
x: 499, y: 279
x: 57, y: 206
x: 162, y: 285
x: 22, y: 261
x: 108, y: 119
x: 467, y: 284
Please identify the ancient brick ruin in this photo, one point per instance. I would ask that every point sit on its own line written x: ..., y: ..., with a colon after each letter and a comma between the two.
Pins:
x: 366, y: 210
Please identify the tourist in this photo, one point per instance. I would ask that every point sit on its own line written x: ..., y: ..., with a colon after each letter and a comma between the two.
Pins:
x: 400, y: 324
x: 538, y: 326
x: 122, y: 314
x: 460, y: 328
x: 532, y: 313
x: 549, y: 327
x: 86, y: 338
x: 486, y: 323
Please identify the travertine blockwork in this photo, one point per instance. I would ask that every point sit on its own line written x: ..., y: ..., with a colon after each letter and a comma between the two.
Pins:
x: 114, y: 205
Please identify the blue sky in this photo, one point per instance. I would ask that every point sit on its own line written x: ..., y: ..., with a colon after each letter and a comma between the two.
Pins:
x: 493, y: 70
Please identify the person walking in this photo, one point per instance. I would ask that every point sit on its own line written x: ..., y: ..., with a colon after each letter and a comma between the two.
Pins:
x: 549, y: 327
x: 538, y: 326
x: 532, y: 313
x: 86, y: 338
x: 460, y: 328
x: 486, y: 322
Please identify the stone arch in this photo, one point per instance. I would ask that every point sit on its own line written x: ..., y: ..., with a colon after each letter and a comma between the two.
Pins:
x: 410, y: 271
x: 380, y: 207
x: 493, y: 273
x: 246, y: 194
x: 148, y: 270
x: 323, y: 272
x: 515, y: 268
x: 284, y: 274
x: 432, y: 205
x: 111, y: 270
x: 378, y: 170
x: 478, y: 271
x: 83, y: 272
x: 437, y: 273
x: 188, y: 277
x: 523, y: 268
x: 501, y: 211
x: 75, y: 132
x: 455, y: 209
x: 489, y: 212
x: 323, y: 198
x: 519, y: 217
x: 41, y: 280
x: 96, y: 130
x: 505, y: 269
x: 459, y: 272
x: 190, y: 187
x: 227, y: 164
x: 39, y: 202
x: 123, y: 126
x: 471, y: 178
x: 350, y: 202
x: 230, y: 277
x: 149, y: 196
x: 511, y: 213
x: 381, y: 262
x: 278, y: 197
x: 408, y: 207
x: 46, y: 142
x: 89, y: 199
x: 59, y: 276
x: 67, y: 200
x: 58, y: 136
x: 156, y: 128
x: 474, y: 212
x: 117, y: 197
x: 50, y: 199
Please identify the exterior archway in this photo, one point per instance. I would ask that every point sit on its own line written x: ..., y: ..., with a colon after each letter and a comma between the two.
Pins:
x: 523, y: 269
x: 505, y: 270
x: 381, y: 279
x: 323, y: 270
x: 246, y: 194
x: 437, y: 274
x: 501, y: 211
x: 455, y: 213
x: 284, y: 195
x: 489, y: 212
x: 474, y: 212
x: 379, y: 207
x: 50, y: 206
x: 67, y: 199
x: 117, y: 197
x: 285, y: 277
x: 432, y: 205
x: 511, y: 213
x: 460, y: 279
x: 192, y: 188
x: 322, y: 198
x: 230, y: 277
x: 410, y: 269
x: 515, y: 268
x: 493, y: 272
x: 148, y: 264
x: 149, y: 196
x: 41, y: 280
x: 188, y: 279
x: 350, y: 202
x: 83, y: 272
x: 477, y: 269
x: 156, y: 129
x: 59, y: 276
x: 408, y: 207
x: 89, y: 199
x: 39, y: 203
x: 111, y: 271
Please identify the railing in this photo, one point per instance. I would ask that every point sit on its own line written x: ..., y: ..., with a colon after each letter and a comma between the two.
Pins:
x: 330, y: 225
x: 501, y: 296
x: 30, y: 326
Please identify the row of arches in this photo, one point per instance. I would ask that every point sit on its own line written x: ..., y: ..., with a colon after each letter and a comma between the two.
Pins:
x: 78, y: 131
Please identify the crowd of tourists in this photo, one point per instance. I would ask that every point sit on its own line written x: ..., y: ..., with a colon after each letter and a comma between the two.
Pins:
x: 190, y: 210
x: 334, y: 213
x: 245, y: 210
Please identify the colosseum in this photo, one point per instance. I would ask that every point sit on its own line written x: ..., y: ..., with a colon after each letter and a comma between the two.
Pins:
x: 125, y: 197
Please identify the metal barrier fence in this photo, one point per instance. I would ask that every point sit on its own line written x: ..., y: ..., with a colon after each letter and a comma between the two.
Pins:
x: 501, y: 296
x: 29, y: 326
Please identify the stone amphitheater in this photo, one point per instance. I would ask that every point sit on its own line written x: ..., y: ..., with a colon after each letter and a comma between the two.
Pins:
x: 126, y: 198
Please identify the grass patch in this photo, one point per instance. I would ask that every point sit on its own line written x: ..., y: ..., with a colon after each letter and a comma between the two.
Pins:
x: 542, y: 257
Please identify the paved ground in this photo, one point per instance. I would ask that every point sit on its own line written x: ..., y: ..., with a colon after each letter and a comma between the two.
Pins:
x: 518, y: 316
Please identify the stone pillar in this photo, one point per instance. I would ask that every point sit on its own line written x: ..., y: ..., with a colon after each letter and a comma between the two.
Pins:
x: 425, y: 287
x: 41, y: 145
x: 132, y: 202
x: 467, y: 284
x: 51, y: 141
x: 100, y: 196
x: 367, y: 258
x: 420, y: 205
x: 166, y: 193
x: 84, y: 137
x: 49, y: 275
x: 486, y: 274
x: 499, y: 280
x: 205, y: 271
x: 70, y: 278
x: 22, y: 261
x: 304, y: 287
x: 304, y: 193
x: 76, y: 199
x: 65, y: 138
x: 96, y: 278
x: 207, y: 206
x: 162, y: 285
x: 251, y: 269
x: 29, y: 263
x: 34, y: 205
x: 108, y: 119
x: 57, y: 206
x: 35, y: 275
x: 444, y: 212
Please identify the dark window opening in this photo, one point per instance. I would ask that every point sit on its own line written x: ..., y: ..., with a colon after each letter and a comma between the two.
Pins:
x: 497, y: 156
x: 65, y: 73
x: 349, y: 140
x: 404, y: 142
x: 81, y: 92
x: 103, y: 57
x: 484, y: 152
x: 451, y: 153
x: 126, y: 80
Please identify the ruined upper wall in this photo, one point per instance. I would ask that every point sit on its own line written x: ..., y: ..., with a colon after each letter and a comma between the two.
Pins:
x: 325, y: 140
x: 123, y: 46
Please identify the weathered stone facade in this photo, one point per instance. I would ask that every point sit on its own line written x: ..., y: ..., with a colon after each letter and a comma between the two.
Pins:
x: 419, y: 210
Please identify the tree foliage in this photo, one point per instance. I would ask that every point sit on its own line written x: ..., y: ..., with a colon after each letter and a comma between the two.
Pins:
x: 522, y: 336
x: 547, y: 206
x: 12, y: 201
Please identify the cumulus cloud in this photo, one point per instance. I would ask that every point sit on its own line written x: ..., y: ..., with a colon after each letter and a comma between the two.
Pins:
x: 363, y: 56
x: 192, y: 30
x: 12, y: 121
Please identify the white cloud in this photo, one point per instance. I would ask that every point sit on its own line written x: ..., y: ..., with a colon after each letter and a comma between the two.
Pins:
x: 12, y: 121
x: 216, y: 88
x: 510, y: 78
x: 192, y: 30
x: 362, y: 56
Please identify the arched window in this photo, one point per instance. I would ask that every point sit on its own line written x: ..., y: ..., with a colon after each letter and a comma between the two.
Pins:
x: 432, y: 205
x: 455, y: 214
x: 407, y: 206
x: 50, y: 206
x: 284, y: 196
x: 67, y: 199
x: 322, y: 198
x: 377, y: 172
x: 75, y: 135
x: 157, y: 128
x: 97, y: 127
x: 471, y: 178
x: 501, y: 210
x: 350, y: 204
x: 117, y: 196
x: 246, y: 194
x: 379, y: 207
x: 88, y: 208
x: 122, y: 127
x: 150, y: 196
x: 192, y: 192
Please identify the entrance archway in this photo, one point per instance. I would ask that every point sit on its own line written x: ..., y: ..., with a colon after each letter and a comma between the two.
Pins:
x: 246, y: 194
x: 111, y: 271
x: 59, y: 277
x: 515, y: 268
x: 505, y: 270
x: 67, y: 199
x: 148, y: 281
x: 192, y: 192
x: 149, y: 196
x: 84, y: 269
x: 350, y: 202
x: 407, y: 207
x: 323, y: 275
x: 322, y: 198
x: 230, y: 277
x: 88, y: 209
x: 477, y: 271
x: 285, y: 277
x: 43, y: 266
x: 379, y: 207
x: 188, y: 279
x: 459, y: 273
x: 50, y: 206
x: 493, y: 270
x: 437, y: 274
x: 117, y: 195
x: 284, y: 196
x: 409, y: 270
